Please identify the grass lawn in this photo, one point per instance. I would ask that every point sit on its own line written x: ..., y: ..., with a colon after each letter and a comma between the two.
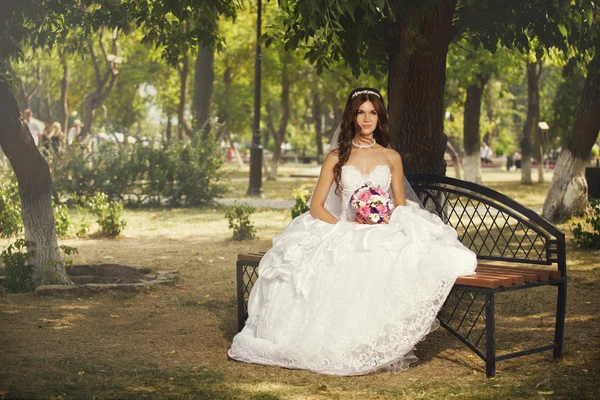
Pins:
x: 171, y: 342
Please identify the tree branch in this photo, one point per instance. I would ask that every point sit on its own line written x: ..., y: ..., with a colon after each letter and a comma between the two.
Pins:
x: 94, y: 61
x: 39, y: 84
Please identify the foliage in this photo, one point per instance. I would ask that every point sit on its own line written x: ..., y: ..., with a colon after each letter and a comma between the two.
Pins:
x: 588, y: 239
x: 18, y: 272
x: 239, y: 220
x: 109, y: 213
x: 301, y: 195
x: 10, y: 211
x: 63, y: 221
x: 153, y: 173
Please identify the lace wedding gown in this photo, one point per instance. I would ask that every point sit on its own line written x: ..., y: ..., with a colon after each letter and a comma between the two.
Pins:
x: 350, y: 299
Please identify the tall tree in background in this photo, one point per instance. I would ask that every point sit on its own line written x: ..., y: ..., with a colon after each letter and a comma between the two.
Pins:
x: 184, y: 72
x: 64, y: 89
x: 204, y: 78
x: 534, y: 71
x: 105, y: 80
x: 472, y: 136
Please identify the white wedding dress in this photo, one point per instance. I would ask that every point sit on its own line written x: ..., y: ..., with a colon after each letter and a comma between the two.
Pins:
x: 350, y: 299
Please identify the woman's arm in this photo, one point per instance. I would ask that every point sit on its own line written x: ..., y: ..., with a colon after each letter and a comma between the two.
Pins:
x: 397, y: 178
x: 317, y: 204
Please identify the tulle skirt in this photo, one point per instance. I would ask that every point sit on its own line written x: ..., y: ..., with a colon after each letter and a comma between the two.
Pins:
x: 351, y: 299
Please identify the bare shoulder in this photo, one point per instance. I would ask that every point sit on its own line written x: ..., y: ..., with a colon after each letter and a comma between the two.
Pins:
x: 393, y: 158
x: 332, y: 158
x: 330, y: 161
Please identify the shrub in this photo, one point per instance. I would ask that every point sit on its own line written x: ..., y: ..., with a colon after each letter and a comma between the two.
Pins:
x: 10, y: 211
x: 239, y: 221
x: 301, y: 195
x: 62, y: 220
x: 18, y: 272
x: 588, y: 239
x: 188, y: 173
x: 109, y: 214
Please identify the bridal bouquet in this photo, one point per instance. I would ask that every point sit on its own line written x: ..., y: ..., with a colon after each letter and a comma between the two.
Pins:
x: 370, y: 203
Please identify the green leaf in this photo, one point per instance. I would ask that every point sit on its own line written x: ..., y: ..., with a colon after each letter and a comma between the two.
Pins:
x: 562, y: 29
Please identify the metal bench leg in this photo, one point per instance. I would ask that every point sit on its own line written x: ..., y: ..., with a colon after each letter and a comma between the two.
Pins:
x: 239, y: 269
x: 490, y: 340
x: 561, y: 310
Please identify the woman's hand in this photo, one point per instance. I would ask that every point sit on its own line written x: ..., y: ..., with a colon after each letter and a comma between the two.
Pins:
x: 385, y: 220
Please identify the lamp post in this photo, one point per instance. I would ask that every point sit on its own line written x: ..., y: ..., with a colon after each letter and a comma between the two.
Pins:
x: 256, y: 151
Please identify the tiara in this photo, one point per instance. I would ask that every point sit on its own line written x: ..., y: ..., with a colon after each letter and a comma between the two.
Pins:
x: 364, y: 92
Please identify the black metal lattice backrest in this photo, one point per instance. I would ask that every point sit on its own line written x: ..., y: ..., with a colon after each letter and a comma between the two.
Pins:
x: 491, y: 224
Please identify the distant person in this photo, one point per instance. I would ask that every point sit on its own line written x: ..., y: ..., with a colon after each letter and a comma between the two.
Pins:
x: 517, y: 160
x: 485, y: 153
x: 34, y: 128
x: 54, y: 136
x: 510, y: 161
x: 74, y: 132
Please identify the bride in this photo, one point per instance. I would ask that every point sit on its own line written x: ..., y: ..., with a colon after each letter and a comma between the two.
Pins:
x: 339, y: 297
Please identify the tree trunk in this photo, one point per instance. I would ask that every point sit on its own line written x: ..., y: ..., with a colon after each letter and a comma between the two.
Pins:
x: 416, y: 84
x: 533, y: 116
x: 35, y: 189
x: 169, y: 132
x: 455, y: 159
x: 493, y: 133
x: 203, y: 89
x: 64, y: 88
x: 317, y: 112
x: 25, y: 94
x: 284, y: 114
x: 104, y: 85
x: 472, y: 138
x: 567, y: 195
x: 184, y: 71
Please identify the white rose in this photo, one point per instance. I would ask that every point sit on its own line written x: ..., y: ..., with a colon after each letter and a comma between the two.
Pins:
x: 374, y: 217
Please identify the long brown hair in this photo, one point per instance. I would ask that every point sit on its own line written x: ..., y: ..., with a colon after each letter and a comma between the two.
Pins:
x: 349, y: 127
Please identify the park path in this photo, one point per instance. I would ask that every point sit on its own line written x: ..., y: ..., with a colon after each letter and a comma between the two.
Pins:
x: 257, y: 202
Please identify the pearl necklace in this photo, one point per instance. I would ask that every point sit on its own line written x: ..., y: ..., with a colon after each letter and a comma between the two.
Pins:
x: 360, y: 146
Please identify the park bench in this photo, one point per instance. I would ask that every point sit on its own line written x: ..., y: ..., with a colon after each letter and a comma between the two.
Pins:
x: 516, y: 250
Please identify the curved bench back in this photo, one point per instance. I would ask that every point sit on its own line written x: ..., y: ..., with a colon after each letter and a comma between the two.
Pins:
x: 489, y: 223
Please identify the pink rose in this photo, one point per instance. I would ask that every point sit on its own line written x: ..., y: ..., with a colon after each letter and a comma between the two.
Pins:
x: 364, y: 211
x: 380, y: 191
x: 382, y: 209
x: 365, y: 196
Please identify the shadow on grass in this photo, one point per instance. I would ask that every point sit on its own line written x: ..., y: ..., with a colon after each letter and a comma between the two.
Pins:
x: 124, y: 379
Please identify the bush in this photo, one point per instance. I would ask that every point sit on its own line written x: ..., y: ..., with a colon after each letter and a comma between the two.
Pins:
x: 239, y: 221
x: 188, y: 173
x: 301, y: 195
x: 11, y: 223
x: 109, y: 214
x: 18, y: 272
x: 62, y: 220
x: 588, y: 239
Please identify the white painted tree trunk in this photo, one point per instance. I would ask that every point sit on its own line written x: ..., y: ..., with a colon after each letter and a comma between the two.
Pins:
x: 35, y: 187
x: 39, y: 223
x: 472, y: 168
x: 567, y: 195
